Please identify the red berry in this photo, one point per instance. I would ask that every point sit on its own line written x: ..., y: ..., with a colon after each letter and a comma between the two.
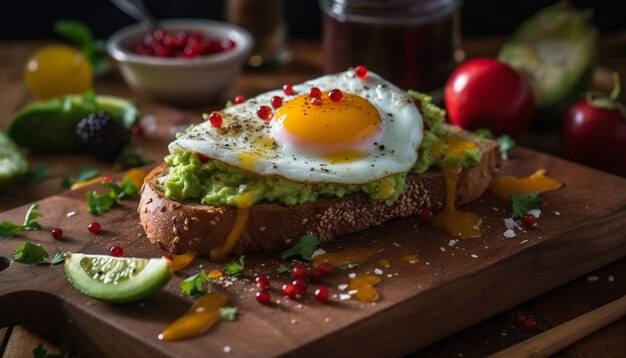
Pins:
x: 94, y: 227
x: 288, y: 89
x: 335, y: 95
x: 529, y: 325
x: 216, y: 120
x: 117, y: 251
x: 315, y: 92
x: 203, y: 158
x: 263, y: 297
x: 290, y: 290
x: 321, y: 294
x: 264, y: 112
x: 530, y: 220
x: 262, y: 282
x: 169, y: 257
x: 316, y: 101
x: 57, y: 233
x: 360, y: 71
x: 300, y: 284
x: 239, y: 99
x: 325, y: 268
x: 521, y: 319
x: 313, y: 274
x: 107, y: 179
x: 298, y: 271
x: 426, y: 214
x: 276, y: 102
x: 138, y: 131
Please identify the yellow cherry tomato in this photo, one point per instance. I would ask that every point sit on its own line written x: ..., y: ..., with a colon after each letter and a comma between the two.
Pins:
x: 58, y: 70
x: 136, y: 176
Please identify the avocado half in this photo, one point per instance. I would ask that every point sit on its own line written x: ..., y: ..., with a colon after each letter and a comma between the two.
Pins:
x: 555, y: 49
x: 50, y: 126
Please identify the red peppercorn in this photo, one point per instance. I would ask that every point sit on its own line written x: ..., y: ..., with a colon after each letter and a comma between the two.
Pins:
x: 138, y: 131
x: 426, y: 214
x: 360, y: 71
x: 335, y: 95
x: 117, y: 251
x: 239, y: 99
x: 325, y: 268
x: 321, y: 294
x: 94, y: 227
x: 290, y: 290
x: 288, y: 89
x: 107, y: 179
x: 315, y: 92
x: 264, y: 112
x: 530, y: 325
x: 263, y: 297
x: 298, y: 271
x: 262, y: 282
x: 203, y: 158
x: 216, y: 120
x: 313, y: 274
x: 57, y: 233
x: 300, y: 284
x: 316, y: 101
x: 276, y: 102
x: 521, y: 319
x: 169, y: 257
x: 530, y: 220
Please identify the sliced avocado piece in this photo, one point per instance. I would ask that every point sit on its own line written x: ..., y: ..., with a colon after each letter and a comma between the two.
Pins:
x: 556, y: 50
x: 49, y: 126
x: 12, y: 162
x: 117, y: 279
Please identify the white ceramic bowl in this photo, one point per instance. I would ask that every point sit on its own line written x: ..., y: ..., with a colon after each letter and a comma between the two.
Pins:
x: 179, y: 81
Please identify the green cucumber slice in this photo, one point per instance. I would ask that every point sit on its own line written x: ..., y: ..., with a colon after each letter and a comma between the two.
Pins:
x: 12, y: 162
x: 114, y: 279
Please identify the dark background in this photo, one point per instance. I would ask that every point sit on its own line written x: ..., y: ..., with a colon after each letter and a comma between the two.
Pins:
x: 32, y: 19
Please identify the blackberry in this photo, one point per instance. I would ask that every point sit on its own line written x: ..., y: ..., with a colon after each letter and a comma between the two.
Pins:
x: 102, y: 136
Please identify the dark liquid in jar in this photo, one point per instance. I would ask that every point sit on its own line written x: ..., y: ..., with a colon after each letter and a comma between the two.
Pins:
x: 416, y: 55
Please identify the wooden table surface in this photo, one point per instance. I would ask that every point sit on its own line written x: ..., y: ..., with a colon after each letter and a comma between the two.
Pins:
x: 550, y: 309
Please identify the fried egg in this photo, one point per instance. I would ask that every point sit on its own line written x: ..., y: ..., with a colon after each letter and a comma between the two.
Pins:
x: 373, y: 131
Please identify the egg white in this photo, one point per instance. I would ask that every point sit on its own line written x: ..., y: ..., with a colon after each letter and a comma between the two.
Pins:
x: 247, y: 142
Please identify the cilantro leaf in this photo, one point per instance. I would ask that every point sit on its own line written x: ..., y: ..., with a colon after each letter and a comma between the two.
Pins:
x: 130, y: 158
x: 37, y: 175
x: 99, y: 203
x: 283, y: 270
x: 9, y: 229
x: 304, y: 248
x: 87, y: 173
x: 235, y: 268
x: 505, y: 144
x: 29, y: 220
x: 228, y: 313
x: 58, y: 258
x: 484, y: 133
x: 125, y: 189
x: 195, y: 285
x: 524, y: 203
x: 30, y: 253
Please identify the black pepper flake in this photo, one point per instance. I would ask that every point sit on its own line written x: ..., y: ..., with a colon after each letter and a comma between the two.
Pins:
x: 381, y: 147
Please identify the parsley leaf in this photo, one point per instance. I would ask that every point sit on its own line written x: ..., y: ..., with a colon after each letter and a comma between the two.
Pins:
x: 30, y: 253
x: 235, y: 268
x: 484, y: 133
x: 87, y: 173
x: 505, y: 144
x: 37, y: 175
x: 195, y: 285
x: 125, y: 189
x: 59, y: 257
x: 228, y: 313
x: 9, y: 229
x: 130, y: 158
x: 283, y: 270
x: 304, y: 248
x: 524, y: 203
x: 99, y: 203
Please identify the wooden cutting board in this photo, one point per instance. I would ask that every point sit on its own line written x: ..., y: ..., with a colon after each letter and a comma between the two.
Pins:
x: 451, y: 286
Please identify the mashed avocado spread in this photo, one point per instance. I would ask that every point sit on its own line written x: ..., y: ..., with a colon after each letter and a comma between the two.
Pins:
x: 217, y: 184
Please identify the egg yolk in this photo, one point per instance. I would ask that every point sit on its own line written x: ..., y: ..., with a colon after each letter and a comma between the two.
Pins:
x: 351, y: 122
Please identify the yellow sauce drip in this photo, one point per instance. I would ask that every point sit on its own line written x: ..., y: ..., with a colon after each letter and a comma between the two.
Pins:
x: 182, y: 261
x: 241, y: 220
x: 204, y: 312
x: 346, y: 257
x: 409, y: 259
x: 364, y: 287
x: 461, y: 224
x: 505, y: 185
x: 215, y: 274
x: 384, y: 263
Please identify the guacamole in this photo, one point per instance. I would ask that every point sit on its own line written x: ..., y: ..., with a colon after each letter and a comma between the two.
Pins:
x: 217, y: 184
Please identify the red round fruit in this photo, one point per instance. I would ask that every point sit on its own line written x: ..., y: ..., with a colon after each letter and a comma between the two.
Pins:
x: 94, y: 227
x: 530, y: 325
x: 361, y: 71
x: 216, y: 120
x: 263, y: 297
x: 521, y: 319
x: 290, y: 290
x: 325, y: 268
x: 300, y: 285
x: 276, y: 101
x: 529, y: 220
x: 313, y: 274
x: 298, y: 271
x: 315, y: 92
x: 57, y: 233
x: 239, y: 99
x: 169, y: 257
x: 288, y: 89
x: 203, y: 158
x: 486, y: 93
x: 262, y: 282
x: 321, y: 294
x: 117, y: 251
x: 426, y: 214
x: 335, y: 95
x: 264, y: 112
x: 107, y: 179
x: 316, y: 101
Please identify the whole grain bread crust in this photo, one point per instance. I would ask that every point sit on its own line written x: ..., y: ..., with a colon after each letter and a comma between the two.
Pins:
x: 183, y: 226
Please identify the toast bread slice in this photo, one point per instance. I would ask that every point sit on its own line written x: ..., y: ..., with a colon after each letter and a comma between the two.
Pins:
x: 179, y: 227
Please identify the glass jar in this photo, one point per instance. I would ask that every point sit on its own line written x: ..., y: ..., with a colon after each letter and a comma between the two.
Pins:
x: 409, y: 42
